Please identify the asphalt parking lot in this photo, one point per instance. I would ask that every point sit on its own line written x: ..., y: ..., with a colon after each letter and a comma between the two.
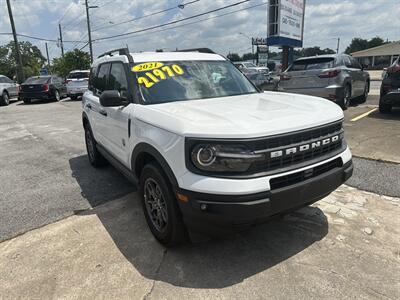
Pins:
x: 90, y: 236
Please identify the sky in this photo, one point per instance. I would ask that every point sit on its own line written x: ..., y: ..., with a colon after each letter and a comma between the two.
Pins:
x: 325, y: 21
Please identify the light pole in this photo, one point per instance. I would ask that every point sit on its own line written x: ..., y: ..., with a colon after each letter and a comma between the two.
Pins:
x: 252, y: 46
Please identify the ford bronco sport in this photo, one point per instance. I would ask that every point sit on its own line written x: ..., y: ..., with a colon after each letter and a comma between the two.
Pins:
x: 208, y: 150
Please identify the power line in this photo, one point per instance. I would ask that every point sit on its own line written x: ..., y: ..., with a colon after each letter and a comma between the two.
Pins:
x: 149, y: 15
x: 198, y: 21
x: 171, y: 22
x: 38, y: 38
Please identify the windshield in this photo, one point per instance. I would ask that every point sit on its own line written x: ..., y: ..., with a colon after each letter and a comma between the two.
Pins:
x: 312, y: 64
x: 78, y: 75
x: 162, y: 82
x: 37, y: 80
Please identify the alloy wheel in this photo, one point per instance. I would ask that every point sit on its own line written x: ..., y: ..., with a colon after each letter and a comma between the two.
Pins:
x: 155, y: 204
x: 6, y: 99
x: 89, y: 144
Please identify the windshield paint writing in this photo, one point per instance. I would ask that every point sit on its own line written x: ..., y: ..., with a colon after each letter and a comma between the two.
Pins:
x: 156, y: 75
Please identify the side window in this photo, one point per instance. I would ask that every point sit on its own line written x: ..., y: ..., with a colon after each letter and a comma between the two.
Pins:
x: 92, y: 77
x: 8, y: 80
x: 347, y: 61
x: 2, y: 80
x: 101, y: 78
x: 117, y: 80
x: 355, y: 64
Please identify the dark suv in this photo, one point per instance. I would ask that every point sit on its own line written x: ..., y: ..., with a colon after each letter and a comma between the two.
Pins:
x: 390, y: 88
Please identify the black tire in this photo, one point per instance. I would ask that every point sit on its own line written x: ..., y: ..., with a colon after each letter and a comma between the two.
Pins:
x: 96, y: 159
x: 57, y: 96
x: 384, y: 108
x: 346, y: 100
x: 73, y: 97
x: 5, y: 99
x: 27, y: 101
x: 364, y: 97
x: 160, y: 207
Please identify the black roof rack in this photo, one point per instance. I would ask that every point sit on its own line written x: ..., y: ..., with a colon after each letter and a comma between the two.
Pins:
x: 121, y: 51
x: 201, y: 50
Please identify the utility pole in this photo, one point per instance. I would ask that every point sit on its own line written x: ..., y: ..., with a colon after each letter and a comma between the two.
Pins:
x: 18, y: 58
x: 338, y: 45
x: 61, y: 40
x: 88, y: 27
x: 47, y: 53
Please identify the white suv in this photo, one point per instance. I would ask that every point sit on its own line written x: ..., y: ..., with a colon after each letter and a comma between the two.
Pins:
x: 209, y: 151
x: 77, y: 83
x: 8, y: 89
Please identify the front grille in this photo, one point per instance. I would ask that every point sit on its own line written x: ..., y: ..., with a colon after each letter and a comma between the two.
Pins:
x: 287, y: 180
x: 285, y: 162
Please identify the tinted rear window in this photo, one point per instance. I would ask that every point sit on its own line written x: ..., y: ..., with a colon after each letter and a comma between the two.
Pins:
x: 37, y: 80
x: 78, y: 75
x: 312, y: 64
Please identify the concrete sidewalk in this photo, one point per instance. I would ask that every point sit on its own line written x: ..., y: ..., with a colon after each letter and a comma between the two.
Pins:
x: 345, y: 246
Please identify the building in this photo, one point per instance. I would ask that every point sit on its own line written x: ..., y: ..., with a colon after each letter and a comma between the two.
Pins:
x: 378, y: 57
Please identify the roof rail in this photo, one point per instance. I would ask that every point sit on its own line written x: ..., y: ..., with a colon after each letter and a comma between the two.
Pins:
x: 121, y: 51
x: 201, y: 50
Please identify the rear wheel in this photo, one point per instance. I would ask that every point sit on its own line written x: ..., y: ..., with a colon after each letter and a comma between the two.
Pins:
x: 27, y: 101
x: 5, y: 99
x: 384, y: 108
x: 73, y: 97
x: 345, y: 102
x: 96, y: 159
x: 57, y: 96
x: 160, y: 206
x: 364, y: 97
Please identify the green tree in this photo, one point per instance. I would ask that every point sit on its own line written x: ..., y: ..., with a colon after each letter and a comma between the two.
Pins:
x: 234, y: 57
x: 358, y: 44
x: 72, y: 60
x: 32, y: 59
x: 313, y: 51
x: 249, y: 56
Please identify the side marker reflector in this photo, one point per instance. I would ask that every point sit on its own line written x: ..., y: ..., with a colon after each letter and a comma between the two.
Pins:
x: 182, y: 198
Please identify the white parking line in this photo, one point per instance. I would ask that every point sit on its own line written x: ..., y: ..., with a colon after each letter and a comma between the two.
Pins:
x: 364, y: 115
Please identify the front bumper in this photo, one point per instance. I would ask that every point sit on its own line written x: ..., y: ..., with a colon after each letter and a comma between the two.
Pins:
x: 218, y: 214
x: 391, y: 98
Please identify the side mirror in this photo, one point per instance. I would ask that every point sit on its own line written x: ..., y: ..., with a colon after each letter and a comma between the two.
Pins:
x: 111, y: 98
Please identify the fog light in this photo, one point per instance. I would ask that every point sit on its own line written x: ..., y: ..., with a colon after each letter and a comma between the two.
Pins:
x: 203, y: 206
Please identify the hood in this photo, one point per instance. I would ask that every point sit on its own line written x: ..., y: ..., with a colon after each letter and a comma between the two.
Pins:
x: 244, y: 116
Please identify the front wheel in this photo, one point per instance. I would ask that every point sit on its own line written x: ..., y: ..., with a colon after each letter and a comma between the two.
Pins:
x: 160, y: 207
x: 5, y: 100
x: 384, y: 108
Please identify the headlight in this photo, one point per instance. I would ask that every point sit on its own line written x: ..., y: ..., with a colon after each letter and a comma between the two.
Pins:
x: 223, y: 158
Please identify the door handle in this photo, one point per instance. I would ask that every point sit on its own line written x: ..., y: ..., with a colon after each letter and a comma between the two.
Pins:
x: 103, y: 112
x: 89, y: 106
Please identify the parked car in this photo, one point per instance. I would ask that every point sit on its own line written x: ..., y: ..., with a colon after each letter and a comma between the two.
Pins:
x: 339, y: 78
x: 8, y: 90
x: 248, y: 66
x: 77, y: 83
x: 209, y: 152
x: 390, y: 88
x: 43, y: 87
x: 262, y: 81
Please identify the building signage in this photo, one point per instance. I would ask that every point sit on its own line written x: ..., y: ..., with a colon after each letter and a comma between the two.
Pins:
x: 286, y: 22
